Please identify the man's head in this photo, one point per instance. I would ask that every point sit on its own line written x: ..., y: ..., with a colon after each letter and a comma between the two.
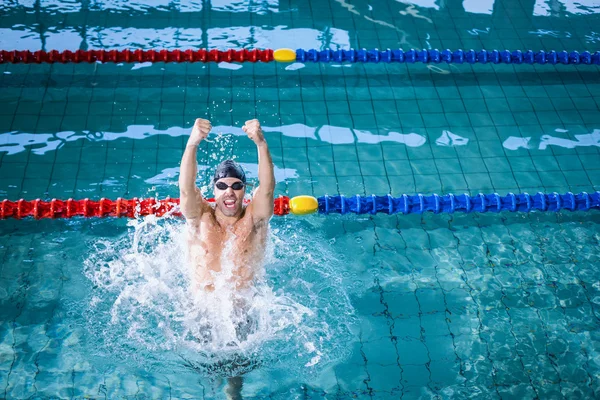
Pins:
x: 230, y: 187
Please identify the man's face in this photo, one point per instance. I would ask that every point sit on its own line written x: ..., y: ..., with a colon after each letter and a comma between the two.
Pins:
x: 228, y: 200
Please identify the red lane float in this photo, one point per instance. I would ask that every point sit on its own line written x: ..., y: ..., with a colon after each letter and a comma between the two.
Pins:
x: 131, y: 56
x: 129, y: 208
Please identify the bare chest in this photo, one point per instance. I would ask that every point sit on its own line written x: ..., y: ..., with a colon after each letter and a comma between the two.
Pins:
x: 241, y: 243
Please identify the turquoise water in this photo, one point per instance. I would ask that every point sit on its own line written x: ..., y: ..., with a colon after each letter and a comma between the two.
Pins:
x: 438, y: 306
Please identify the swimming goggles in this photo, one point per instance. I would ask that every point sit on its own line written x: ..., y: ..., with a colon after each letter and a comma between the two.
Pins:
x: 235, y: 186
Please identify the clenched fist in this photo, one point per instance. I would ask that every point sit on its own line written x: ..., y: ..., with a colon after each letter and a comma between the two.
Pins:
x: 254, y: 131
x: 199, y: 131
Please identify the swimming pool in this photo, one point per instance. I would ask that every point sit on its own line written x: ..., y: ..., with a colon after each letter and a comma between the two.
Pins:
x: 445, y: 306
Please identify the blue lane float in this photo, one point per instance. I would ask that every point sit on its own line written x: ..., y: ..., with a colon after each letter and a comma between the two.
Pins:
x: 450, y: 203
x: 449, y: 56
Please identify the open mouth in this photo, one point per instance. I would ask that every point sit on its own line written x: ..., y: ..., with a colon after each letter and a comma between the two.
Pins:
x: 229, y: 203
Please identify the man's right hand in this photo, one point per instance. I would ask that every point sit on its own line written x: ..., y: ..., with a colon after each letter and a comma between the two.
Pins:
x: 199, y: 132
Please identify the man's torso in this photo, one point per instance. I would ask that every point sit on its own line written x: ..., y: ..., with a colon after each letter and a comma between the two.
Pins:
x: 211, y: 246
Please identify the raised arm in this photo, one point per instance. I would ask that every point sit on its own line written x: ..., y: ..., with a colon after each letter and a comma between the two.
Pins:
x: 262, y: 202
x: 191, y: 202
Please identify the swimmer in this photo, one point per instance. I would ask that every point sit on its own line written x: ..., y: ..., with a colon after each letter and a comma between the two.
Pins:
x: 230, y: 220
x: 244, y: 228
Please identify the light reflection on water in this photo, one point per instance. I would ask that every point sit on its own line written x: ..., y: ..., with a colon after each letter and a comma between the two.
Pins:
x: 118, y: 33
x: 118, y: 38
x: 16, y: 142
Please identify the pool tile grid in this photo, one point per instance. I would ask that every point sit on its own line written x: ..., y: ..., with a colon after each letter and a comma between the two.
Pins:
x: 425, y: 328
x: 515, y: 299
x: 480, y: 165
x: 425, y: 103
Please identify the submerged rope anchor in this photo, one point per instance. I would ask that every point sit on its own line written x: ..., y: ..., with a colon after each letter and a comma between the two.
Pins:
x: 301, y: 205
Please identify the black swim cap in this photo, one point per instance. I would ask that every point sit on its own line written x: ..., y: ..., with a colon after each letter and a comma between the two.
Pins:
x: 229, y: 169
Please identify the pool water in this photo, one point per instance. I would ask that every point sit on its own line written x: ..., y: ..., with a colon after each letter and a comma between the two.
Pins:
x: 379, y: 307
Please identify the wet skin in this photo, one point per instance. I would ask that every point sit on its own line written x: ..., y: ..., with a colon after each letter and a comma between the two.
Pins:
x: 212, y: 244
x: 229, y: 232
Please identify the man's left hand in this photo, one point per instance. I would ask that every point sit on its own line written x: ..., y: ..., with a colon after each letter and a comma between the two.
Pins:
x: 254, y: 131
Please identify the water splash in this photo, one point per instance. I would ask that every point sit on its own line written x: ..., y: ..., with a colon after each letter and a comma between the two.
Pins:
x: 143, y: 307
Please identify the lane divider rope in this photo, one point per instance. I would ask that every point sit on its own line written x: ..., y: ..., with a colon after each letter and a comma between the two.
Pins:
x: 411, y: 56
x: 301, y: 205
x: 133, y: 56
x: 449, y: 56
x: 451, y: 203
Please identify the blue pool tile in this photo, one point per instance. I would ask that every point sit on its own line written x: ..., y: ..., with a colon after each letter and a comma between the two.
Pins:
x: 373, y: 128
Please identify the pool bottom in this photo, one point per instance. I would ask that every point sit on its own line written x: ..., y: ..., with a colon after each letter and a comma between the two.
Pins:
x: 474, y: 305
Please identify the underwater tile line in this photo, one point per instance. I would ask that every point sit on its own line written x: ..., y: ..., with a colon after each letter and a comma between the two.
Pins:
x: 537, y: 309
x: 391, y: 323
x: 492, y: 264
x: 472, y: 294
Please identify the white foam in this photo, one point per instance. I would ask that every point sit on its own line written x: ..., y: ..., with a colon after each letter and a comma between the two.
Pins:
x: 146, y: 307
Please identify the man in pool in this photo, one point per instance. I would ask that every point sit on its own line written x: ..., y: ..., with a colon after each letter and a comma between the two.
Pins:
x: 230, y: 221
